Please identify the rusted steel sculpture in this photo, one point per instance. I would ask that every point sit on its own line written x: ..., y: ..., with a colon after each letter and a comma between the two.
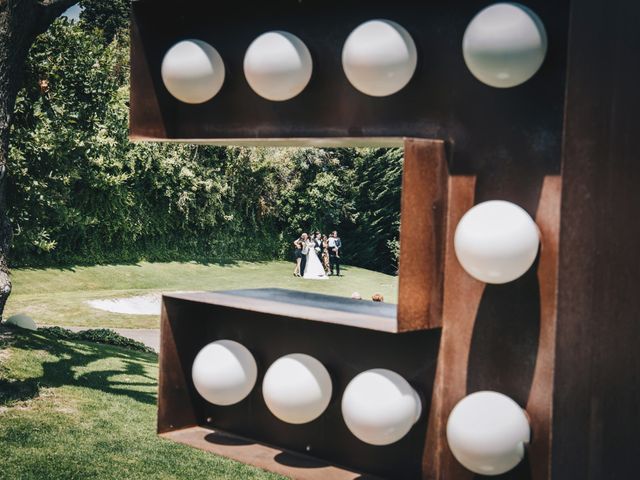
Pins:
x: 491, y: 102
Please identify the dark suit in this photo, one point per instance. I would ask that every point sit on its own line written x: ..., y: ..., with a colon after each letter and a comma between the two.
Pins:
x: 303, y: 257
x: 334, y: 259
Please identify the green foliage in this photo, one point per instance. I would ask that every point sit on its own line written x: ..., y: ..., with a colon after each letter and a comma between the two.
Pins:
x: 104, y: 336
x: 110, y: 17
x: 377, y: 226
x: 81, y: 193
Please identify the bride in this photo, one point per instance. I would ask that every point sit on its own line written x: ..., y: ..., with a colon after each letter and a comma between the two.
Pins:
x: 313, y: 270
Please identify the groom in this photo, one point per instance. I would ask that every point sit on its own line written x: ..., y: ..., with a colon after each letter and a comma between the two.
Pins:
x: 334, y: 252
x: 305, y: 249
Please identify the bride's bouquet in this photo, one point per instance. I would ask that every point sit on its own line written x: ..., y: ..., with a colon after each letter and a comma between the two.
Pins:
x: 317, y: 249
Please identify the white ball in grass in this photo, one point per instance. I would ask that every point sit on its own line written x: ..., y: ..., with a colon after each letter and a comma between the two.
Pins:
x: 22, y: 321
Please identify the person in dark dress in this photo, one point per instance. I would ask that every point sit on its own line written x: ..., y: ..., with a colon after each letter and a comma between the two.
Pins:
x: 300, y: 253
x: 334, y: 252
x: 297, y: 255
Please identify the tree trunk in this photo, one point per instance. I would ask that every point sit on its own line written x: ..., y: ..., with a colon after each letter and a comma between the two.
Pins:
x: 20, y: 22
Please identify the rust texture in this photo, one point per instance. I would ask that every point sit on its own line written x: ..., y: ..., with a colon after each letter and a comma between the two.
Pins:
x: 422, y: 236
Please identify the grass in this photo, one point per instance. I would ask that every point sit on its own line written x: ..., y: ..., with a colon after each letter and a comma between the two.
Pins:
x: 59, y: 296
x: 77, y: 410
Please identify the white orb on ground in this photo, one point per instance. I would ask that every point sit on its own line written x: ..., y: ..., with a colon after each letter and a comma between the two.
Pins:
x: 487, y: 433
x: 297, y: 388
x: 224, y: 372
x: 380, y: 407
x: 504, y: 45
x: 22, y: 321
x: 193, y: 71
x: 496, y: 241
x: 278, y: 66
x: 379, y: 58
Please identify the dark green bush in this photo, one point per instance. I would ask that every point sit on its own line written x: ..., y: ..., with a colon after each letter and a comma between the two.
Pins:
x: 98, y: 335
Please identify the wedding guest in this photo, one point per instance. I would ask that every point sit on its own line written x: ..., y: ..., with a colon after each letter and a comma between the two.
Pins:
x: 297, y: 255
x: 335, y: 245
x: 325, y: 254
x: 377, y: 297
x: 303, y: 243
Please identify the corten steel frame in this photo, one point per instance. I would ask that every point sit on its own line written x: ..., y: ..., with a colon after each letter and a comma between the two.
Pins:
x: 557, y: 340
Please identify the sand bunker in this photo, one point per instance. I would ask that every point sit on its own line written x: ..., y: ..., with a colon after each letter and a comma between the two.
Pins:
x: 141, y: 305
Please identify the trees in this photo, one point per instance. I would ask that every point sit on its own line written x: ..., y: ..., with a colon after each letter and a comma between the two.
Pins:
x: 20, y: 22
x: 109, y: 16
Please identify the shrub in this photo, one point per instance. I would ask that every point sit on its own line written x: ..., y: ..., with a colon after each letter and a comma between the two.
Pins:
x: 99, y: 335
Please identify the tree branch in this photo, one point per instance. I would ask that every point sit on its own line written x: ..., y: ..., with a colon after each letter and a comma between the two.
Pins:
x: 48, y: 11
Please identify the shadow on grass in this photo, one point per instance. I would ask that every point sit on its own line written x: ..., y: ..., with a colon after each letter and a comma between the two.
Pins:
x: 71, y: 356
x: 204, y: 261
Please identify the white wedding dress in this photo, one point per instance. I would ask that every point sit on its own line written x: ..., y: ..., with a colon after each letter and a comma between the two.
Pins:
x: 314, y: 270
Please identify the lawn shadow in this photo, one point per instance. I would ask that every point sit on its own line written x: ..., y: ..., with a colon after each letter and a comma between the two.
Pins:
x: 63, y: 370
x: 205, y: 261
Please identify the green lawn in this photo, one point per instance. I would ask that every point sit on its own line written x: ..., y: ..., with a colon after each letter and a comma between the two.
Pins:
x: 59, y: 296
x: 77, y: 410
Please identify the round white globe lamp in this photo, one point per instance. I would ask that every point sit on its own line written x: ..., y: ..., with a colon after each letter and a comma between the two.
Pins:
x: 379, y: 58
x: 487, y: 433
x: 193, y: 71
x: 22, y: 321
x: 278, y: 66
x: 380, y: 407
x: 224, y: 372
x: 496, y: 241
x: 504, y: 45
x: 297, y: 388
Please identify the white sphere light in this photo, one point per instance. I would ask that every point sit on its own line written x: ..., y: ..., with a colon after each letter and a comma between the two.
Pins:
x: 193, y: 71
x: 224, y: 372
x: 380, y: 407
x: 379, y: 58
x: 297, y: 388
x: 504, y: 45
x: 22, y: 321
x: 496, y: 241
x: 278, y: 65
x: 487, y: 433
